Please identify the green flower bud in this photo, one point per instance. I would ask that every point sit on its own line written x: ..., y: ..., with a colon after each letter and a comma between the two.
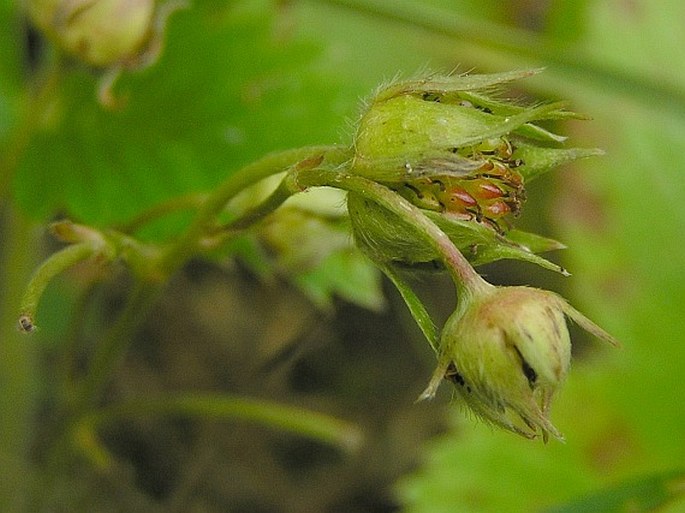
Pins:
x: 508, y: 350
x: 446, y: 145
x: 100, y: 32
x: 115, y: 35
x: 385, y: 237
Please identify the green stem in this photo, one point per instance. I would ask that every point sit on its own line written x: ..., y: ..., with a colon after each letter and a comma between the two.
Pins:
x: 67, y: 361
x: 19, y: 364
x: 187, y: 202
x: 108, y: 352
x: 115, y: 342
x: 252, y: 216
x: 111, y: 349
x: 188, y: 244
x: 288, y: 418
x: 284, y: 190
x: 119, y: 336
x: 54, y: 265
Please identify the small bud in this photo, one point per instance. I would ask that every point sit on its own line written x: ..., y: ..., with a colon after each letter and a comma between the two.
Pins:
x: 113, y: 35
x: 101, y: 32
x: 508, y: 351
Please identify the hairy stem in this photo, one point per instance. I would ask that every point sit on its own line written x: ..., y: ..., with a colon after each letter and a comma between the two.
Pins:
x: 116, y: 341
x: 203, y: 224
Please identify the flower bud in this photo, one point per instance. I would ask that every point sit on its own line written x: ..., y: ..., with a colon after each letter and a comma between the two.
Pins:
x: 386, y: 238
x: 102, y: 32
x: 431, y: 152
x: 507, y: 351
x: 450, y: 148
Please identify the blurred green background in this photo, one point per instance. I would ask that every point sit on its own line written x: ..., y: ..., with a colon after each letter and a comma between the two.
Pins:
x: 242, y: 78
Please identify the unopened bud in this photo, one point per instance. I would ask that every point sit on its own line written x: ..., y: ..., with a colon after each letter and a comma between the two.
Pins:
x: 508, y: 351
x: 100, y: 32
x: 114, y: 35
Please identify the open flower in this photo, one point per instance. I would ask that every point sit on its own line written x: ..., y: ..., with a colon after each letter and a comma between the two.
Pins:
x: 508, y: 350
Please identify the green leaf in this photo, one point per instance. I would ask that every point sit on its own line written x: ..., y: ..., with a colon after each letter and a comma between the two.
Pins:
x: 346, y: 274
x: 474, y: 469
x: 649, y: 493
x: 622, y: 219
x: 226, y: 90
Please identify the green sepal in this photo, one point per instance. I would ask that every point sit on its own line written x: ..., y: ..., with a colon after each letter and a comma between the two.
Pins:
x: 502, y: 107
x: 537, y: 133
x: 444, y: 85
x: 534, y: 242
x: 386, y: 238
x: 538, y: 160
x: 482, y: 245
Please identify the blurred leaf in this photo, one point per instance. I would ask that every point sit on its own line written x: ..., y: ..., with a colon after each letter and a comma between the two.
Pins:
x: 627, y: 230
x: 611, y: 29
x: 566, y: 19
x: 228, y: 88
x: 11, y: 55
x: 13, y: 134
x: 639, y: 496
x: 309, y: 237
x: 477, y: 469
x: 621, y: 218
x: 347, y: 274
